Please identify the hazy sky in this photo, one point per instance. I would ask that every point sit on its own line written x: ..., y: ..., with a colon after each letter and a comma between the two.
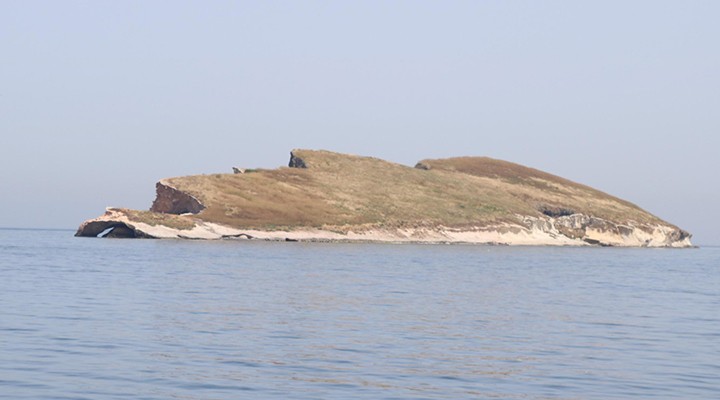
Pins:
x: 100, y: 99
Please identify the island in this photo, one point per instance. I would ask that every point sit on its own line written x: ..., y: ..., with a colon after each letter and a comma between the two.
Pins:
x: 328, y: 196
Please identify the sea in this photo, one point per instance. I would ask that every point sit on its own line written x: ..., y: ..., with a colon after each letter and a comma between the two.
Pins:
x: 88, y: 318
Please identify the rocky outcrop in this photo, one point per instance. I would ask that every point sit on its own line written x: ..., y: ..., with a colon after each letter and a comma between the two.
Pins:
x: 113, y: 224
x: 120, y: 223
x: 555, y: 211
x: 169, y: 200
x: 423, y: 166
x: 597, y: 231
x: 296, y: 162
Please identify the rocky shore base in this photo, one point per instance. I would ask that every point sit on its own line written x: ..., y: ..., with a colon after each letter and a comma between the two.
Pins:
x: 570, y: 230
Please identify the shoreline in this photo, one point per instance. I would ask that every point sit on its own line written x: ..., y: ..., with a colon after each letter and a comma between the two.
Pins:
x: 532, y: 232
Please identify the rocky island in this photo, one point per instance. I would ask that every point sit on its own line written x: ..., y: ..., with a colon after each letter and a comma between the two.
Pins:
x: 326, y: 196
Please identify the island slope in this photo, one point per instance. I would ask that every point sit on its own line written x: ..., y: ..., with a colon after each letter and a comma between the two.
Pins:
x: 323, y: 195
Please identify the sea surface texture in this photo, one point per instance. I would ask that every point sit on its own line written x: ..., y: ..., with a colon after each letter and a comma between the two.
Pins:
x: 165, y: 319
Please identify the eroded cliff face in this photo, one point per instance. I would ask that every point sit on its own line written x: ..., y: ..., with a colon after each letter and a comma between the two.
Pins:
x: 600, y: 232
x: 170, y: 200
x: 120, y: 223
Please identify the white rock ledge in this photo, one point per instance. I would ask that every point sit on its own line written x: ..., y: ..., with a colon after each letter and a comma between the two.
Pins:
x: 572, y: 230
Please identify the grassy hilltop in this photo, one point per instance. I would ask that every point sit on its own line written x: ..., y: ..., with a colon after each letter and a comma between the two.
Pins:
x: 340, y: 192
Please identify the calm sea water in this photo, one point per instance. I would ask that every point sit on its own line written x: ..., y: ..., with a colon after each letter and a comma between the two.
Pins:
x: 152, y: 319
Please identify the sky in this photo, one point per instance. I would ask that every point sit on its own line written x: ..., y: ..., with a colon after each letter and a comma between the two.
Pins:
x: 101, y: 99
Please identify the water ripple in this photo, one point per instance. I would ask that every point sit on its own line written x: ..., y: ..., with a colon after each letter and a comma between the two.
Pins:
x: 115, y: 319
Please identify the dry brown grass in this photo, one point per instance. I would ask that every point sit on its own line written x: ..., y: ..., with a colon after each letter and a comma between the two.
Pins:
x: 339, y: 191
x: 552, y: 191
x: 154, y: 219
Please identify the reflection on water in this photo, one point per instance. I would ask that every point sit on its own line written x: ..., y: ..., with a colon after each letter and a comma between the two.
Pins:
x: 145, y: 319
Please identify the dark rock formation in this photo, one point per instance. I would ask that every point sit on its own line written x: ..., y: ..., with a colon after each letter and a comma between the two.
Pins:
x: 296, y: 162
x: 121, y: 231
x: 112, y: 229
x: 422, y: 165
x: 554, y: 211
x: 172, y: 201
x: 679, y: 235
